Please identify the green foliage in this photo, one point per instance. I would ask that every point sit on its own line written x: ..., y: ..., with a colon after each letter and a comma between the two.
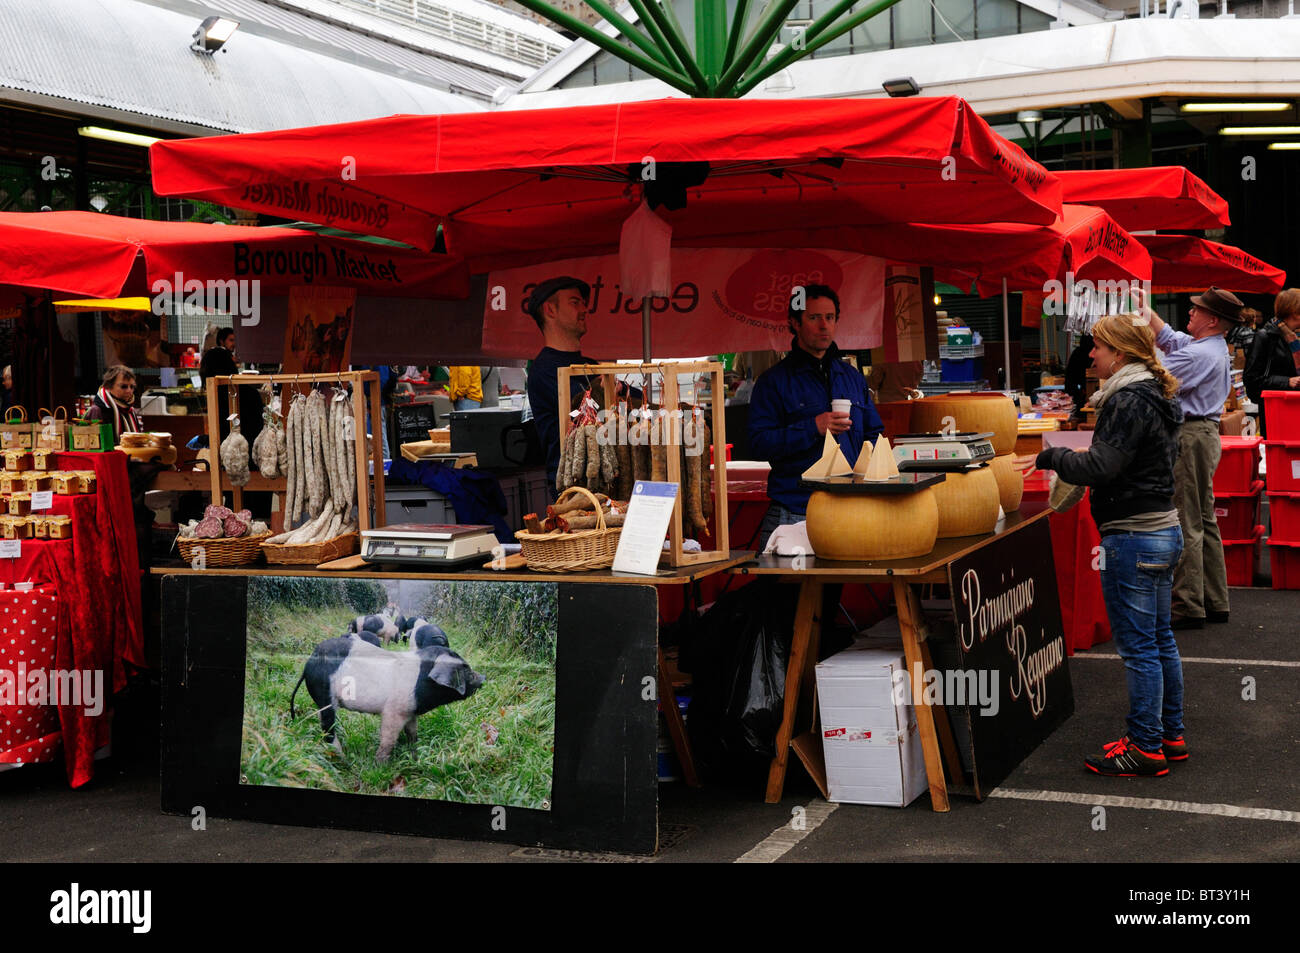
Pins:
x: 267, y: 593
x: 521, y: 616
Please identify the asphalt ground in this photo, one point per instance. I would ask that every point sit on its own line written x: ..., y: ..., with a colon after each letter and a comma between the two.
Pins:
x: 1237, y: 799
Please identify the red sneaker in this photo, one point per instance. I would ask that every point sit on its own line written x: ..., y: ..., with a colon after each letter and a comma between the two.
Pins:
x: 1175, y: 749
x: 1124, y: 759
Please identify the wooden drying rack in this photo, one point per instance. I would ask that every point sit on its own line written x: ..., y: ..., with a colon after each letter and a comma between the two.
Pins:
x: 369, y: 380
x: 668, y: 371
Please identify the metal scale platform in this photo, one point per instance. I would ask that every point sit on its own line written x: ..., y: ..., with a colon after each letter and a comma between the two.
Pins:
x: 432, y: 545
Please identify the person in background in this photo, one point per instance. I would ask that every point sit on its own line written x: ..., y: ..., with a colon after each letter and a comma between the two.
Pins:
x: 1076, y: 375
x: 1243, y: 335
x: 465, y: 388
x: 790, y: 407
x: 9, y: 399
x: 1130, y: 467
x: 559, y: 308
x: 1200, y: 360
x: 1273, y: 362
x: 114, y: 402
x: 219, y: 361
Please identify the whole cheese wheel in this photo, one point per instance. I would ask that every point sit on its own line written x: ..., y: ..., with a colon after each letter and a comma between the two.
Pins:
x: 1011, y: 484
x: 869, y: 527
x: 968, y: 503
x: 977, y: 413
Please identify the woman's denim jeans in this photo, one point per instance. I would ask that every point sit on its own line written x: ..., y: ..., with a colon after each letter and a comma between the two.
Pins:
x: 1137, y: 581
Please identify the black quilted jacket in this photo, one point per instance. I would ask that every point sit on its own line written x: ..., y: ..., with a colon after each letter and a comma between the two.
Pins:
x: 1130, y: 466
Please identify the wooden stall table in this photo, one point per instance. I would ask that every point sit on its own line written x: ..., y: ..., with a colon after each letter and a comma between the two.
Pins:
x: 937, y: 743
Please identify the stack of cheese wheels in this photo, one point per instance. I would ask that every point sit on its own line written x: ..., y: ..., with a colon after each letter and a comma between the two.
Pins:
x: 1011, y: 485
x: 978, y: 413
x: 869, y: 527
x: 974, y: 413
x: 968, y: 503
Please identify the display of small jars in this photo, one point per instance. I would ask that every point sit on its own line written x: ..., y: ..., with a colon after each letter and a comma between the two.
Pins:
x: 20, y: 504
x: 59, y: 527
x: 16, y: 527
x: 18, y: 460
x: 43, y: 459
x: 37, y: 482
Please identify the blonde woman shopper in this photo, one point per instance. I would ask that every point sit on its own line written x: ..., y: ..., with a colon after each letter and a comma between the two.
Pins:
x: 1130, y: 469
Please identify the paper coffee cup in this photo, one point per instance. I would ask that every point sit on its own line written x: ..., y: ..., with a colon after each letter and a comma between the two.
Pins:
x: 842, y: 406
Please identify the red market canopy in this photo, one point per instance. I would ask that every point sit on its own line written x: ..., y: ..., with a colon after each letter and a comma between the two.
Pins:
x: 1141, y: 199
x: 93, y: 255
x: 517, y: 187
x: 1183, y: 263
x: 1084, y: 242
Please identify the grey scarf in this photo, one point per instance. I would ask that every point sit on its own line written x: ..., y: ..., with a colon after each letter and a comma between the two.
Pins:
x: 1130, y: 373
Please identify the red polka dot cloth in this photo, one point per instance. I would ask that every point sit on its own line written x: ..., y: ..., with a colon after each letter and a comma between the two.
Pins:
x: 29, y: 716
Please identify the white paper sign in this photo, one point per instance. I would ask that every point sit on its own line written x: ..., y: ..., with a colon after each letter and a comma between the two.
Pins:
x: 42, y: 500
x: 645, y: 527
x: 1295, y: 469
x: 11, y: 548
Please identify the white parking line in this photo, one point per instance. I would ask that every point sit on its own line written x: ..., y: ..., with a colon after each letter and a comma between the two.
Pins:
x: 779, y: 843
x: 1212, y: 661
x: 1151, y: 804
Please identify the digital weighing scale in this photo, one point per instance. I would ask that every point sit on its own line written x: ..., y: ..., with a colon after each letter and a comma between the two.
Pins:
x: 434, y: 545
x: 937, y: 451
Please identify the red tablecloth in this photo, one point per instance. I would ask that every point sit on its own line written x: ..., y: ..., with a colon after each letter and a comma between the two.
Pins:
x: 29, y: 725
x: 1076, y: 546
x: 96, y: 575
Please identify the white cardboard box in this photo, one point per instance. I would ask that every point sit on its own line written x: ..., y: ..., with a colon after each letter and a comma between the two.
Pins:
x: 872, y: 749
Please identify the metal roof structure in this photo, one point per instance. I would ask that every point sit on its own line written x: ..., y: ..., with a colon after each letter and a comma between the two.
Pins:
x: 129, y: 61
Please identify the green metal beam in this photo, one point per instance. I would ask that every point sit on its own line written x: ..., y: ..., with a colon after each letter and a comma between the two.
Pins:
x: 656, y: 34
x: 710, y: 37
x: 672, y: 30
x: 755, y: 47
x: 737, y: 28
x: 629, y: 31
x: 627, y: 54
x: 789, y: 54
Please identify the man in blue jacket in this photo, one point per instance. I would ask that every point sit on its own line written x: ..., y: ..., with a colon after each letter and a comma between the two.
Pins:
x: 790, y: 409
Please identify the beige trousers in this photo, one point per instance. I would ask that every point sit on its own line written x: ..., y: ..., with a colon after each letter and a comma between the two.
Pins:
x: 1201, y: 581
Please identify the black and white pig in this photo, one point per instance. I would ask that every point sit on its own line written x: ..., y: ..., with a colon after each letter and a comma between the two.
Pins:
x: 426, y: 634
x: 397, y: 686
x: 382, y: 626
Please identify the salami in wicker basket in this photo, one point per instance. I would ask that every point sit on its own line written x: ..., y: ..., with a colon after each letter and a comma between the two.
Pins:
x: 312, y: 553
x: 571, y: 552
x: 222, y: 552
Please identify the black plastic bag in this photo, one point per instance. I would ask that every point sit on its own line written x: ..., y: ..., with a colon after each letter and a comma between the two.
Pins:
x: 737, y: 657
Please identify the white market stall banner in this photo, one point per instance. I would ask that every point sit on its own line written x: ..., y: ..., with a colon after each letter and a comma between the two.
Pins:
x: 723, y: 299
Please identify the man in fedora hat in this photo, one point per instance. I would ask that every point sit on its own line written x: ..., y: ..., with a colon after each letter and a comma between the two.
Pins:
x: 1202, y: 363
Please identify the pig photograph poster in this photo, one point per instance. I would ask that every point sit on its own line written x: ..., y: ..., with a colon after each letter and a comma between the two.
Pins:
x: 437, y: 690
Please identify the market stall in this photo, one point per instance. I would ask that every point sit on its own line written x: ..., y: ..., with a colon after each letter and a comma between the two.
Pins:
x: 85, y: 592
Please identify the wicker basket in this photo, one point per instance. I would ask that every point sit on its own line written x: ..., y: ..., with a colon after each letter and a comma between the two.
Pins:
x: 223, y: 552
x: 312, y: 554
x: 572, y: 552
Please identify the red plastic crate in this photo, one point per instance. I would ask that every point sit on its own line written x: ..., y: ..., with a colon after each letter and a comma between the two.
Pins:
x: 1282, y: 414
x: 1239, y: 465
x: 1282, y: 459
x: 1236, y: 513
x: 1284, y: 517
x: 1285, y: 561
x: 1241, y: 558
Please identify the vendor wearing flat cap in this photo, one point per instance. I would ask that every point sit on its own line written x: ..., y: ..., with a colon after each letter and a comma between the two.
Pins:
x: 1201, y: 361
x: 559, y: 306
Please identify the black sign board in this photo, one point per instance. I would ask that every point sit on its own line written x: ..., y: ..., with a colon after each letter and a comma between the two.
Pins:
x: 1010, y: 643
x: 601, y: 792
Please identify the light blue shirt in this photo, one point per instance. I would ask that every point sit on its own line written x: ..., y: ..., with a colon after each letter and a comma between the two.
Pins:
x: 1203, y: 369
